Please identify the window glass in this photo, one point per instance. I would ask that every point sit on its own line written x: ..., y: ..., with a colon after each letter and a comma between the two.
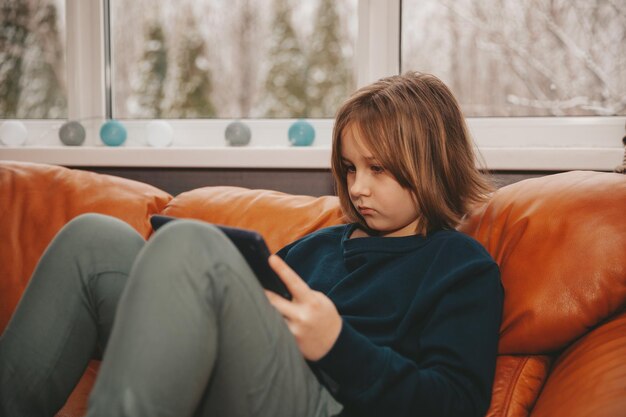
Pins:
x: 231, y: 58
x: 32, y: 59
x: 522, y: 58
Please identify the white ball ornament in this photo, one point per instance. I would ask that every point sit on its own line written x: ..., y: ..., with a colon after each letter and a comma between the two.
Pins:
x: 13, y: 133
x: 159, y: 133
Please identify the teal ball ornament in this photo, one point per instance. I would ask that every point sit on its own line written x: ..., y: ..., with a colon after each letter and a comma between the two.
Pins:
x: 301, y: 133
x: 72, y: 133
x: 113, y: 133
x: 237, y: 134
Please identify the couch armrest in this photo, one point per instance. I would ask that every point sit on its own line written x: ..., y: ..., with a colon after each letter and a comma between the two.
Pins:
x: 589, y: 379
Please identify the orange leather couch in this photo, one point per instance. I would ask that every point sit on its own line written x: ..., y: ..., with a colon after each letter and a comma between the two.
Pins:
x: 560, y: 241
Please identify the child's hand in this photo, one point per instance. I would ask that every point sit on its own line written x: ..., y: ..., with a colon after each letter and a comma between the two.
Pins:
x: 310, y: 315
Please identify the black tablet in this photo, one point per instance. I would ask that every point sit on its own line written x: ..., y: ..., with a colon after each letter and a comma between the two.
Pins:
x: 252, y: 247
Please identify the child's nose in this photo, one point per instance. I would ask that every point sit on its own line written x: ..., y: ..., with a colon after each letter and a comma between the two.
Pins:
x: 360, y: 186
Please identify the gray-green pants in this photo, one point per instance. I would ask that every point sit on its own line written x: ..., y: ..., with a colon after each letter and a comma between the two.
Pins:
x: 187, y: 329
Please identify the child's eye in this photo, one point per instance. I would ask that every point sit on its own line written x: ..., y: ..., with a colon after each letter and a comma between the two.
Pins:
x: 350, y: 168
x: 377, y: 169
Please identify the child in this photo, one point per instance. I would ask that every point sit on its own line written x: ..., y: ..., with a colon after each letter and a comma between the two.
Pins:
x: 394, y: 314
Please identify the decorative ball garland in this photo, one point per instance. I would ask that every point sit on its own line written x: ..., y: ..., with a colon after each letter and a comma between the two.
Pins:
x: 159, y: 133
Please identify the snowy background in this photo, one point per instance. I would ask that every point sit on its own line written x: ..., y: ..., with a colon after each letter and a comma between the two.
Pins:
x: 290, y: 59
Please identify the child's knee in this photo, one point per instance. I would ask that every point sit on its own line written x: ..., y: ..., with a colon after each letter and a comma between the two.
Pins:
x: 90, y: 222
x: 93, y: 231
x: 187, y: 236
x: 188, y: 245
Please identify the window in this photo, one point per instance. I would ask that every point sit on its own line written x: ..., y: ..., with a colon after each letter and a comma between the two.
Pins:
x: 32, y: 60
x: 517, y: 71
x: 231, y: 59
x: 522, y: 58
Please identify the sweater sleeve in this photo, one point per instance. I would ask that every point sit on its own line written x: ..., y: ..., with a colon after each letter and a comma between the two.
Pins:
x: 452, y: 373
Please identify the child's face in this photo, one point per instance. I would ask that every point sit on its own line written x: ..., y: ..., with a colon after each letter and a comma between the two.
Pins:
x: 386, y: 206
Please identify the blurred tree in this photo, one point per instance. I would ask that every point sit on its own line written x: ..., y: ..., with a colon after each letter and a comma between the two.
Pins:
x: 127, y: 49
x: 285, y: 84
x: 43, y: 89
x: 247, y: 40
x: 149, y: 79
x: 244, y: 34
x: 193, y: 85
x: 329, y: 72
x: 512, y: 58
x: 14, y: 19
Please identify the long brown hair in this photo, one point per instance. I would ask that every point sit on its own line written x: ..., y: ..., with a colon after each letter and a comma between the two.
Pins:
x: 414, y: 126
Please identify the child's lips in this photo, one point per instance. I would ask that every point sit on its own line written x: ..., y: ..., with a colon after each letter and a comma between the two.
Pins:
x: 366, y: 210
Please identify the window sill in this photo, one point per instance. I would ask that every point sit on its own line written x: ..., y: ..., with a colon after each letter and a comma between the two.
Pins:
x: 507, y: 144
x: 190, y: 157
x: 500, y: 159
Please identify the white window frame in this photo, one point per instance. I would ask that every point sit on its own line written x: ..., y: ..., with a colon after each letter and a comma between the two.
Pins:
x: 518, y: 144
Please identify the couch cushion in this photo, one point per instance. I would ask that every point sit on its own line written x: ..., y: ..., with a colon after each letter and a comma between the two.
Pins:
x: 560, y: 242
x: 281, y: 218
x: 589, y: 379
x: 37, y: 200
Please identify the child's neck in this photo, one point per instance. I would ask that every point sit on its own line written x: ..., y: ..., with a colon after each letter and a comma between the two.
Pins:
x: 358, y: 233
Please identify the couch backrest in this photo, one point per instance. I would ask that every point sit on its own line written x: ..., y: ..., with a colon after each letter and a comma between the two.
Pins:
x: 560, y: 241
x: 281, y: 218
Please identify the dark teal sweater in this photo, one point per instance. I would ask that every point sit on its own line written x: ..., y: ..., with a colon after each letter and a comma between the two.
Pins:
x: 420, y: 320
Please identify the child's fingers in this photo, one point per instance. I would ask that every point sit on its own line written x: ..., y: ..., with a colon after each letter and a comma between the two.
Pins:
x: 284, y: 306
x: 296, y: 286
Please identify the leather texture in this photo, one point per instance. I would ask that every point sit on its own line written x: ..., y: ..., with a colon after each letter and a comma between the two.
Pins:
x: 559, y: 240
x: 589, y: 378
x: 280, y: 218
x: 518, y: 381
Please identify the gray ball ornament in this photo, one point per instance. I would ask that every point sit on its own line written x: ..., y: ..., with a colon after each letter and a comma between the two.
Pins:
x: 72, y: 133
x: 237, y: 134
